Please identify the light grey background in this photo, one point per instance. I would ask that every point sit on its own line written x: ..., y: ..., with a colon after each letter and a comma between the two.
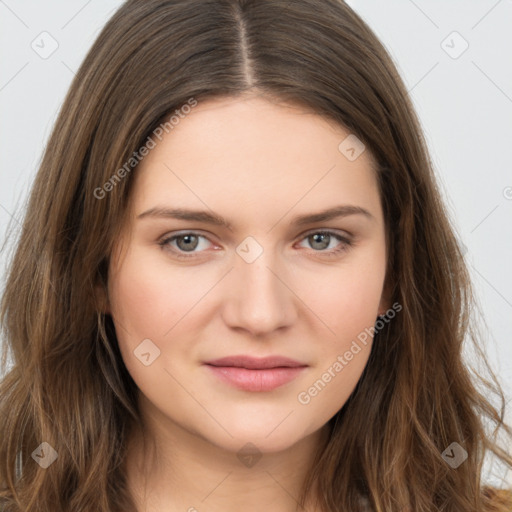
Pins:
x: 464, y: 100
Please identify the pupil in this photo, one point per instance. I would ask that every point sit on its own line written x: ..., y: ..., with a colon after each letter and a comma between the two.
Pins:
x: 318, y: 238
x: 188, y: 239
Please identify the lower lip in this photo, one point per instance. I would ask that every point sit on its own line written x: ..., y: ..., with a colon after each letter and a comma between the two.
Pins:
x: 256, y: 380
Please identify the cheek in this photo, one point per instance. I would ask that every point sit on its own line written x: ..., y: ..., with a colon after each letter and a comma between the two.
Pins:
x: 346, y: 299
x: 156, y: 301
x: 139, y: 300
x: 147, y: 302
x: 350, y: 310
x: 328, y: 390
x: 148, y: 299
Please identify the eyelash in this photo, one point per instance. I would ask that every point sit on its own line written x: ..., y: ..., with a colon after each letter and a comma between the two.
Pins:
x: 345, y: 245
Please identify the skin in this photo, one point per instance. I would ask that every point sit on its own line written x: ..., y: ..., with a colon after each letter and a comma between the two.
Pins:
x: 258, y: 164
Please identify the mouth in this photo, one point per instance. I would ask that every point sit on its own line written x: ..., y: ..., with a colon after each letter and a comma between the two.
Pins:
x: 256, y: 374
x: 255, y: 363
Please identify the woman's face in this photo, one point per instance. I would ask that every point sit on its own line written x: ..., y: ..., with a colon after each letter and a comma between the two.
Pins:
x: 187, y: 289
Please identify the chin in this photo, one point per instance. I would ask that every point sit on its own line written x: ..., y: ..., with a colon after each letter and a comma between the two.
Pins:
x: 266, y: 439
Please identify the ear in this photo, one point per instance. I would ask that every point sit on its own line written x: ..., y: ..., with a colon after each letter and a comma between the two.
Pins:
x: 385, y: 299
x: 102, y: 299
x: 383, y: 307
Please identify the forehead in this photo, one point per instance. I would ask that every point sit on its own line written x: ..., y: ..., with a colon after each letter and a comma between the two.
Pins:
x: 257, y: 154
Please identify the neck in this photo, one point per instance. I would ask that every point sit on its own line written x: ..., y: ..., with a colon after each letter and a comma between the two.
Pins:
x: 173, y: 469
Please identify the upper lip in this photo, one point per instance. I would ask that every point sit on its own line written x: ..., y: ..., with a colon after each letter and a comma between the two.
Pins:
x: 255, y: 363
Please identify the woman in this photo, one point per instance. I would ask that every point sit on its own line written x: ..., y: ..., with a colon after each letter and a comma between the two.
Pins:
x: 237, y: 285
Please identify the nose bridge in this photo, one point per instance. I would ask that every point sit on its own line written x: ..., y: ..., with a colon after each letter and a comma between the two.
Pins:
x: 261, y: 301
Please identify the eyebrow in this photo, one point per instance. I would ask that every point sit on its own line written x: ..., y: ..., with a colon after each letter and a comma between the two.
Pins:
x: 216, y: 220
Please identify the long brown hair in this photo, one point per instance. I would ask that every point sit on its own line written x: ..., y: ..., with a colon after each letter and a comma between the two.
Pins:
x: 68, y: 386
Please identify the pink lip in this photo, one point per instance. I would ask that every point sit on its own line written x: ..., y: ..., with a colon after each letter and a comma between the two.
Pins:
x: 255, y: 363
x: 253, y: 374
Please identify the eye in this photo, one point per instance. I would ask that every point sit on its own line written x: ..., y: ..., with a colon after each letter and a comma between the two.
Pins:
x: 185, y: 243
x: 321, y: 240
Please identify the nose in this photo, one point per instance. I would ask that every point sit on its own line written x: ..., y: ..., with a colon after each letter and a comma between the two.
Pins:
x: 260, y: 300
